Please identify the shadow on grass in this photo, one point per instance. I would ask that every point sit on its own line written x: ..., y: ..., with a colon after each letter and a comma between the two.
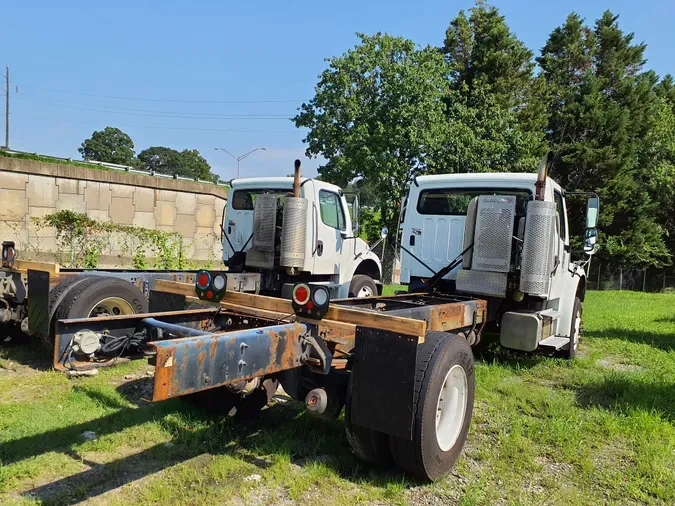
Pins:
x: 282, y: 429
x: 27, y: 352
x: 623, y: 393
x: 491, y: 352
x: 665, y: 342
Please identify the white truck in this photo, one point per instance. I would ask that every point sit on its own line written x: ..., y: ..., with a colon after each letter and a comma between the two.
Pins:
x: 510, y: 235
x: 278, y: 231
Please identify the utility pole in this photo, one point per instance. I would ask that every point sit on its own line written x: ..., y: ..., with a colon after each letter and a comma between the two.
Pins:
x: 7, y: 107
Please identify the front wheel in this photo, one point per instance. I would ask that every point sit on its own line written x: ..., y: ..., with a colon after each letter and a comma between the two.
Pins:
x: 443, y: 406
x: 575, y: 330
x: 362, y: 286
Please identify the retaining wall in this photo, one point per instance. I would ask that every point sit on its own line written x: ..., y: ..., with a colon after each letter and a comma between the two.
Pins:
x: 34, y: 189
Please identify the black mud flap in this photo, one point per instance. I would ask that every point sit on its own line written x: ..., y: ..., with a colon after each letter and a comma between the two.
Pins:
x: 384, y: 381
x: 39, y: 312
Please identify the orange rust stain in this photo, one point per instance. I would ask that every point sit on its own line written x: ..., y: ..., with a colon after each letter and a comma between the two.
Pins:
x: 163, y: 376
x: 212, y: 348
x: 201, y: 357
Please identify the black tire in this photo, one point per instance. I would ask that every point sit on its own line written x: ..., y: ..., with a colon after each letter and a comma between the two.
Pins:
x: 83, y: 296
x: 577, y: 313
x: 422, y: 457
x: 361, y: 281
x: 367, y: 445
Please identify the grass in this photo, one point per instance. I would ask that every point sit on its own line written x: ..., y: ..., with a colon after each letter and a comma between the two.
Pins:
x: 597, y: 430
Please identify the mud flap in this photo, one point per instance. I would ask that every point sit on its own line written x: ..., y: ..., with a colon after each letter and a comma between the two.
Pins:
x: 384, y: 382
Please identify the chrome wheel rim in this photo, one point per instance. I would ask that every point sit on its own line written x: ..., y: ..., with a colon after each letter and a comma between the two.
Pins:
x: 111, y: 306
x: 451, y: 407
x: 577, y: 329
x: 364, y: 292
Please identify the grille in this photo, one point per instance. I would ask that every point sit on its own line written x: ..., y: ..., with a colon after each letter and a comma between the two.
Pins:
x: 538, y: 242
x: 494, y: 232
x: 264, y: 223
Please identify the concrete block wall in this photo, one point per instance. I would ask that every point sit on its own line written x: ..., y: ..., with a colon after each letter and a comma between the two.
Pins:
x: 35, y: 189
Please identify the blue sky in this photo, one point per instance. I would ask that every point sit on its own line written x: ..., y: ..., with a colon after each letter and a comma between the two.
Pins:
x: 182, y: 57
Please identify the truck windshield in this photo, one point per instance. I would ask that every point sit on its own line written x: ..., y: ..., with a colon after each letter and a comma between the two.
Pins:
x: 455, y: 201
x: 244, y: 200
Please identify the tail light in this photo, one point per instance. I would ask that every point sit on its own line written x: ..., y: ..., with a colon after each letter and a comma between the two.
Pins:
x: 8, y: 254
x: 210, y: 286
x: 310, y: 301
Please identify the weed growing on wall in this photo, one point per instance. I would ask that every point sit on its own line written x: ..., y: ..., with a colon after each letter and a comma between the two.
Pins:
x: 85, y: 238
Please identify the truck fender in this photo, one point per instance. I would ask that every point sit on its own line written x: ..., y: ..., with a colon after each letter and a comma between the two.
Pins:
x: 575, y: 288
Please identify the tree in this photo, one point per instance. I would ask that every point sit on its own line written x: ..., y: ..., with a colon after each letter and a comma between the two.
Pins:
x: 161, y: 159
x: 194, y: 165
x: 378, y: 113
x: 186, y: 163
x: 110, y: 145
x: 600, y: 114
x: 496, y: 106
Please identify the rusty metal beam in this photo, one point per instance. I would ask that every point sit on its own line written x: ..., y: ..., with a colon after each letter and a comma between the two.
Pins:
x: 192, y: 364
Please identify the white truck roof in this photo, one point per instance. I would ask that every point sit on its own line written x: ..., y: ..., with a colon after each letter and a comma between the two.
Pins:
x: 483, y: 179
x: 276, y: 182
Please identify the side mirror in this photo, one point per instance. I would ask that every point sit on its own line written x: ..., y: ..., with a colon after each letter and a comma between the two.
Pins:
x: 592, y: 212
x: 590, y: 241
x: 384, y: 232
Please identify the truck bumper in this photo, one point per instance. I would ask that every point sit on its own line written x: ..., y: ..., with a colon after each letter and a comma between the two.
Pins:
x: 191, y: 364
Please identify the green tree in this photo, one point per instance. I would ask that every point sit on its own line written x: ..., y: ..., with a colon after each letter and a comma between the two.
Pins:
x: 378, y: 114
x: 109, y: 145
x: 496, y: 104
x: 194, y: 165
x: 161, y: 159
x: 186, y: 163
x: 601, y: 111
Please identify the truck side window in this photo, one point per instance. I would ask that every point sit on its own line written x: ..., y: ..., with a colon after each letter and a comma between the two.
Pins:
x: 557, y: 196
x: 332, y: 213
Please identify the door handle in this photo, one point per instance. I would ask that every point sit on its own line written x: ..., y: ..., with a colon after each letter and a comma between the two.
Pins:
x: 319, y: 248
x: 412, y: 240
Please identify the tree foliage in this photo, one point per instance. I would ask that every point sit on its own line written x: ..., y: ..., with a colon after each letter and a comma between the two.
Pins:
x: 379, y: 114
x: 187, y: 163
x: 109, y: 145
x: 602, y: 119
x: 387, y: 110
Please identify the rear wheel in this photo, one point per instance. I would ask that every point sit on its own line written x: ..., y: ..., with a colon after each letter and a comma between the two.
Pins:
x: 99, y: 296
x: 362, y: 286
x: 443, y: 407
x: 367, y: 445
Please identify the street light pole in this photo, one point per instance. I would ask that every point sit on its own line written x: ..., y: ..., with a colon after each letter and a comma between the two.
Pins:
x: 241, y: 157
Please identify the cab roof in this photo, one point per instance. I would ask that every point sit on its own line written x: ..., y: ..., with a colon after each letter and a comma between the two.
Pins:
x: 486, y: 179
x: 281, y: 183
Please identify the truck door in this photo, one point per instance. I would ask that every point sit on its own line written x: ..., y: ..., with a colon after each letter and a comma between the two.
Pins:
x: 331, y: 226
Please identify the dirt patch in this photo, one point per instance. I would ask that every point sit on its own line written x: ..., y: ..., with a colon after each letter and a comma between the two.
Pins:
x: 615, y: 364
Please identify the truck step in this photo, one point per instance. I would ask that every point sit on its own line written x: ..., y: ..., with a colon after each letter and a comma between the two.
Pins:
x: 555, y: 342
x: 551, y: 313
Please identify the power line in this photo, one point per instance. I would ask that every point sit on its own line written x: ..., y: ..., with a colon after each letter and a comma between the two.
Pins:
x: 177, y: 101
x: 159, y: 114
x: 158, y: 127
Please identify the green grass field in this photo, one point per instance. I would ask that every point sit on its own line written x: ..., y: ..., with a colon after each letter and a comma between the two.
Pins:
x: 545, y: 431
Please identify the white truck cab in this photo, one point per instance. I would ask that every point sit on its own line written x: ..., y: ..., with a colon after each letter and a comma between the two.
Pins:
x: 319, y: 244
x: 509, y: 233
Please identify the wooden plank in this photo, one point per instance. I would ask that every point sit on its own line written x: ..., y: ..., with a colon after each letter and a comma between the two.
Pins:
x: 24, y: 265
x: 329, y: 330
x: 406, y: 326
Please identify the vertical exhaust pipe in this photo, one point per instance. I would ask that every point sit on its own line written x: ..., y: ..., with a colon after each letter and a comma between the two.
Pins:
x: 296, y: 180
x: 540, y: 185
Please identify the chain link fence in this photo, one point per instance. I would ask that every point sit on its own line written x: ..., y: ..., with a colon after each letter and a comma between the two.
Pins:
x: 606, y: 276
